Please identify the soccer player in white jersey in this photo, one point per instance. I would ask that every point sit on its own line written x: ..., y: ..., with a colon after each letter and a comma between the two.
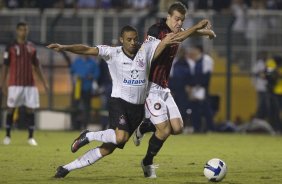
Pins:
x: 129, y: 67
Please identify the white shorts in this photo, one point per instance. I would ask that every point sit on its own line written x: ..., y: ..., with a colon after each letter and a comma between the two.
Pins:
x: 20, y: 95
x: 160, y: 105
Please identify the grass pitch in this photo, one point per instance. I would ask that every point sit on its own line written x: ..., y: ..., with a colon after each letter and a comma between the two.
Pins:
x: 250, y: 159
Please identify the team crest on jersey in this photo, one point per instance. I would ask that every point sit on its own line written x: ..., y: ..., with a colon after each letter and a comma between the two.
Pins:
x: 122, y: 120
x: 140, y: 63
x: 157, y: 106
x: 17, y: 50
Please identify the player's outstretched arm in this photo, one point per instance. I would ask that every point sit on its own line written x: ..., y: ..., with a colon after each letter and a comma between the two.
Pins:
x: 4, y: 75
x: 75, y: 48
x: 38, y: 70
x: 192, y: 30
x: 205, y: 32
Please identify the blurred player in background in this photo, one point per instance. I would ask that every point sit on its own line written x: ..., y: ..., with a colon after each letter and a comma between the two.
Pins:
x: 20, y: 60
x: 84, y: 71
x: 162, y: 112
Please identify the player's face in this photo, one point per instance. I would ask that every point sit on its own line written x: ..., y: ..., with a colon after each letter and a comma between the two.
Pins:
x: 22, y: 32
x: 129, y: 41
x: 175, y: 21
x: 194, y: 54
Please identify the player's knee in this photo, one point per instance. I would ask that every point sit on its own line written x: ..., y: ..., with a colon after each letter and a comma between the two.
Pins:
x: 107, y: 149
x: 163, y: 133
x: 121, y: 138
x: 177, y: 131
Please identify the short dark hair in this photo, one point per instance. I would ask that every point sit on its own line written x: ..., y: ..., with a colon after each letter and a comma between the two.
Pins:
x: 177, y: 6
x: 21, y: 24
x: 127, y: 28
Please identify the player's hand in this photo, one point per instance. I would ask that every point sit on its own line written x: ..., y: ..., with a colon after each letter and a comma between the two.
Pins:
x: 204, y: 24
x: 57, y: 47
x: 170, y: 39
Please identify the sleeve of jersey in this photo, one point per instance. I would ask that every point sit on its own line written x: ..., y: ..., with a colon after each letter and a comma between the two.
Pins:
x: 6, y: 56
x: 153, y: 31
x: 105, y: 52
x: 151, y: 47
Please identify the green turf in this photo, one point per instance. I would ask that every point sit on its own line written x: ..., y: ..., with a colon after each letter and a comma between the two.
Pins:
x: 250, y: 159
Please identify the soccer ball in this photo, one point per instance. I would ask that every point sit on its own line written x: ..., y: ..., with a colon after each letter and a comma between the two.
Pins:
x: 215, y: 170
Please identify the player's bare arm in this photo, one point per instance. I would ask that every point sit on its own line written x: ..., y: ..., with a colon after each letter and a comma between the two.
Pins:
x: 205, y: 32
x: 189, y: 32
x: 75, y: 48
x: 4, y: 79
x: 168, y: 40
x: 38, y: 71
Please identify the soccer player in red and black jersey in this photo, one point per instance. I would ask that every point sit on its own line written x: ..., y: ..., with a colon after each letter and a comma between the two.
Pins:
x: 20, y: 60
x: 162, y: 113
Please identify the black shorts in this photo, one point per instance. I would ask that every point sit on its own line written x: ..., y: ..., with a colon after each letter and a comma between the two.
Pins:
x: 125, y: 116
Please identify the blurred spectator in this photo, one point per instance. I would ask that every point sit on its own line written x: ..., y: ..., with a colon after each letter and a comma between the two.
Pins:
x: 164, y: 5
x: 219, y: 5
x: 274, y: 81
x: 239, y: 9
x: 177, y: 82
x: 13, y: 4
x: 105, y: 4
x: 105, y: 84
x: 257, y: 25
x: 87, y: 4
x: 139, y: 5
x: 200, y: 69
x: 260, y: 84
x: 84, y: 72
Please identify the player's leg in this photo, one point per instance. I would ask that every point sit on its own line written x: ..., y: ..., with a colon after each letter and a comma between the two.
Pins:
x: 145, y: 126
x: 155, y: 144
x: 9, y: 123
x: 30, y: 120
x: 89, y: 158
x: 157, y: 110
x: 31, y: 102
x: 116, y: 134
x: 15, y: 99
x: 106, y: 136
x: 174, y: 116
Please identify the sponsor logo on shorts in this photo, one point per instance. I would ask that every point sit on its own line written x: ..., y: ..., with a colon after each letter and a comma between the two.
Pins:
x: 157, y: 106
x: 122, y: 120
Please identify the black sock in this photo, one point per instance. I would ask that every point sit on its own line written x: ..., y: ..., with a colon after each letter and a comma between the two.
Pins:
x: 155, y: 144
x: 147, y: 126
x: 31, y: 123
x: 9, y: 122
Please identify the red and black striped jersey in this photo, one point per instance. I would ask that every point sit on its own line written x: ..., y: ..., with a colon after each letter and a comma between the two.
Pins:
x: 161, y: 67
x: 20, y: 58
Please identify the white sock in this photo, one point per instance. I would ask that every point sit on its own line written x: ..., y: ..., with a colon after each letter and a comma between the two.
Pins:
x: 87, y: 159
x: 106, y: 136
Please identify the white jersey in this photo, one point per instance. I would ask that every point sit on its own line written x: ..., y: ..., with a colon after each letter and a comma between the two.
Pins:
x: 129, y: 75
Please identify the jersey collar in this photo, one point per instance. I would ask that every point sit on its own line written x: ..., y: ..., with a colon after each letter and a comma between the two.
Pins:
x: 128, y: 55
